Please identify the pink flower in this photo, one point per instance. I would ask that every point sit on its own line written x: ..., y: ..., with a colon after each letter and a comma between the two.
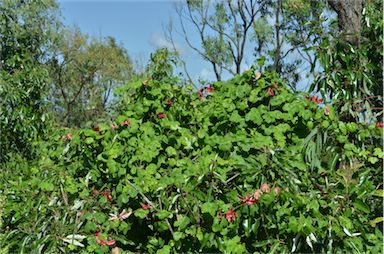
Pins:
x: 265, y: 187
x: 257, y: 194
x: 379, y: 125
x: 103, y: 242
x: 271, y: 92
x: 277, y: 190
x: 126, y: 123
x: 230, y: 215
x: 209, y: 89
x: 249, y: 200
x: 113, y: 126
x: 146, y: 206
x: 161, y: 115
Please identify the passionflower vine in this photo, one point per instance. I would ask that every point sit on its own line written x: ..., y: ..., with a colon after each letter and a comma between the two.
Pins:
x: 230, y: 215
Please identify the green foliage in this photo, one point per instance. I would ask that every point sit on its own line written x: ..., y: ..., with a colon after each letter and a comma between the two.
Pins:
x: 228, y: 172
x: 26, y: 32
x: 353, y: 73
x: 84, y: 72
x: 162, y: 63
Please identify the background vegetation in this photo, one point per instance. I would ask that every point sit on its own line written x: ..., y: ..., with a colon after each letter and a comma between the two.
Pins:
x: 96, y: 157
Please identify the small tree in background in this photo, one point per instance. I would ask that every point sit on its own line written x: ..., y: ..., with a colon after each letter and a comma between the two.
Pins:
x: 84, y: 72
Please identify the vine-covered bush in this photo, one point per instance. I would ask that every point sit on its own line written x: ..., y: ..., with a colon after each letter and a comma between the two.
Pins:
x: 241, y: 166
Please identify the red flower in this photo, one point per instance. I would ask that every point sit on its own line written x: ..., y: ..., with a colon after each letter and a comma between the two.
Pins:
x: 315, y: 99
x: 379, y: 125
x: 201, y: 95
x: 271, y: 92
x: 249, y: 200
x: 146, y: 206
x: 257, y: 194
x: 103, y: 242
x: 97, y: 129
x: 107, y: 193
x: 161, y: 115
x: 265, y: 187
x: 209, y: 89
x: 113, y: 126
x: 126, y: 123
x: 230, y: 215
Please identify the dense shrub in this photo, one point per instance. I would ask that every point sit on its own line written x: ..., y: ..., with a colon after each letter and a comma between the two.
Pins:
x: 241, y: 166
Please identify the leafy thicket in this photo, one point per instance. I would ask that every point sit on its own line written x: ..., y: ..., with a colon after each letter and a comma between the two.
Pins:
x: 241, y: 166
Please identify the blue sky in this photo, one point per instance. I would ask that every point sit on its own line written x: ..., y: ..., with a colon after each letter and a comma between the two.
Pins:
x: 138, y: 25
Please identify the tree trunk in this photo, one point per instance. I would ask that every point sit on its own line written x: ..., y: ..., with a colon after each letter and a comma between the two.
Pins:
x: 349, y: 18
x: 276, y: 62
